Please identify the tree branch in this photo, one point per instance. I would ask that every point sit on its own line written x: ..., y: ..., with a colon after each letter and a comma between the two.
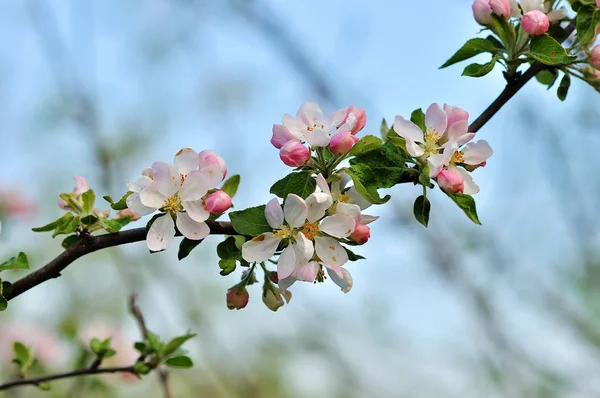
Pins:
x: 89, y: 245
x: 66, y: 375
x: 513, y: 85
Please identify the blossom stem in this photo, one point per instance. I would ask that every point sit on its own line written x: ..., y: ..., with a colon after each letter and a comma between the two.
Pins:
x: 86, y: 245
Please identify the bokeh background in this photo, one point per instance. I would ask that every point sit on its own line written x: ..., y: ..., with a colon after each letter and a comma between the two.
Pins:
x: 102, y: 88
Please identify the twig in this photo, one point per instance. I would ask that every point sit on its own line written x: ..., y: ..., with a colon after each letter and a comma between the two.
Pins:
x: 89, y: 245
x: 66, y: 375
x: 513, y: 85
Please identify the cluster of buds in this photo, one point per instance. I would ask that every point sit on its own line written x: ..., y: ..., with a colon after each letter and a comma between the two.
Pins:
x: 445, y: 147
x: 535, y: 15
x: 336, y: 131
x: 185, y: 194
x: 309, y: 232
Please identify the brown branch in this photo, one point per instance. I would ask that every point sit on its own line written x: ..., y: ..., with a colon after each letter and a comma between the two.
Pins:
x: 66, y: 375
x: 513, y: 85
x: 89, y: 245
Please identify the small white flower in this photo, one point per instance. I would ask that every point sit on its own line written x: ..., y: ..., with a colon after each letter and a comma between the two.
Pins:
x: 310, y: 125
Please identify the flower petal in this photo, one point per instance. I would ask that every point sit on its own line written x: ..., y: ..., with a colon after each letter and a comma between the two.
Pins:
x: 135, y: 205
x: 287, y: 263
x: 309, y: 113
x: 477, y: 152
x: 341, y: 277
x: 338, y: 225
x: 166, y: 179
x: 186, y: 160
x: 150, y: 197
x: 191, y: 229
x: 308, y: 272
x: 140, y: 184
x: 348, y: 208
x: 284, y: 284
x: 557, y: 15
x: 260, y: 248
x: 335, y: 119
x: 196, y: 185
x: 195, y: 209
x: 281, y: 135
x: 295, y: 211
x: 436, y: 118
x: 330, y: 251
x: 358, y: 199
x: 161, y: 233
x: 408, y: 130
x: 366, y: 219
x: 470, y: 187
x: 318, y: 137
x: 317, y: 203
x: 322, y: 183
x: 304, y: 249
x: 214, y: 174
x: 295, y: 127
x: 414, y: 149
x: 458, y: 130
x: 274, y: 214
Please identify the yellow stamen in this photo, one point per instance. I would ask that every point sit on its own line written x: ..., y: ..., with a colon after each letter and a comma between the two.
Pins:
x: 458, y: 157
x: 310, y: 230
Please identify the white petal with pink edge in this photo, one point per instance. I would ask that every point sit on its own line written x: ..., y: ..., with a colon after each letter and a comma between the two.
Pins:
x: 191, y: 229
x: 338, y: 225
x: 161, y: 233
x: 317, y: 204
x: 274, y: 214
x: 166, y: 179
x: 260, y: 248
x: 330, y: 251
x: 195, y: 209
x: 295, y: 211
x: 287, y: 263
x: 185, y: 161
x: 341, y: 277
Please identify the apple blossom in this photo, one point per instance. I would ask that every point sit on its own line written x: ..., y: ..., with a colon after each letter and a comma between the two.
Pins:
x: 472, y: 154
x: 483, y: 10
x: 535, y: 23
x: 342, y: 142
x: 217, y: 202
x: 294, y: 154
x: 80, y: 187
x: 173, y: 189
x: 595, y: 56
x: 281, y: 135
x: 355, y: 120
x: 455, y: 114
x: 361, y: 234
x: 451, y: 180
x: 537, y: 5
x: 299, y: 224
x: 310, y: 125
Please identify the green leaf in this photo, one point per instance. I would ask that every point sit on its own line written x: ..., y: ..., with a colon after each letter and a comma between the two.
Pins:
x: 361, y: 175
x: 177, y: 342
x: 588, y: 18
x: 548, y: 51
x: 421, y: 210
x: 100, y: 347
x: 365, y: 144
x: 109, y: 199
x: 466, y: 203
x: 179, y: 362
x: 301, y: 184
x: 230, y: 187
x: 154, y: 342
x: 386, y: 166
x: 424, y: 178
x: 470, y: 49
x: 352, y: 256
x: 563, y: 88
x: 3, y: 303
x: 141, y: 347
x: 69, y: 240
x: 15, y: 263
x: 22, y: 353
x: 227, y: 266
x: 89, y: 220
x: 122, y: 203
x: 186, y: 246
x: 67, y: 224
x: 45, y: 386
x: 504, y: 29
x: 418, y: 118
x: 140, y: 368
x: 384, y: 129
x: 89, y: 199
x: 228, y: 249
x: 547, y: 77
x: 479, y: 70
x: 110, y: 226
x: 251, y: 221
x: 47, y: 227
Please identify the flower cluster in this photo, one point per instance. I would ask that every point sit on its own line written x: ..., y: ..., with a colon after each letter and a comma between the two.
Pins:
x: 336, y: 131
x: 185, y: 193
x: 307, y: 234
x: 445, y: 145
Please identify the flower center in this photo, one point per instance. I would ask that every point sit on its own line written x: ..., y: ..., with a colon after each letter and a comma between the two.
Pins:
x: 310, y: 230
x: 320, y: 276
x: 432, y: 135
x: 173, y: 204
x: 284, y: 232
x: 344, y: 198
x: 314, y: 126
x: 458, y: 157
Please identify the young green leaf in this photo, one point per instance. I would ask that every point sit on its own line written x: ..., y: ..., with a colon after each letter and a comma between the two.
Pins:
x: 563, y: 88
x: 66, y: 225
x: 89, y: 199
x: 230, y: 187
x: 47, y: 227
x: 421, y: 210
x: 110, y: 226
x: 186, y: 246
x: 588, y: 18
x: 548, y: 51
x: 365, y: 144
x: 122, y: 203
x: 179, y: 362
x: 384, y: 129
x: 301, y: 183
x: 470, y: 49
x: 227, y: 266
x: 479, y: 70
x: 353, y: 256
x: 466, y: 203
x: 15, y: 263
x: 251, y: 221
x: 177, y: 342
x: 228, y: 249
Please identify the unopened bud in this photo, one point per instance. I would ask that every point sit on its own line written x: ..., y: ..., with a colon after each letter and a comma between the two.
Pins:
x: 294, y: 154
x: 217, y: 202
x: 535, y: 23
x: 451, y: 180
x: 361, y: 234
x: 237, y: 298
x: 342, y: 142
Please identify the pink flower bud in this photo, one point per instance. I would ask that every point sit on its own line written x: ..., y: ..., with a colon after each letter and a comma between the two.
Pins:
x: 206, y: 158
x: 217, y: 202
x: 598, y: 3
x: 361, y: 234
x: 342, y: 142
x: 81, y: 186
x: 535, y: 23
x: 237, y: 299
x: 455, y: 114
x: 483, y: 10
x: 294, y: 154
x: 355, y: 120
x: 129, y: 213
x: 281, y: 135
x: 595, y: 56
x: 451, y: 180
